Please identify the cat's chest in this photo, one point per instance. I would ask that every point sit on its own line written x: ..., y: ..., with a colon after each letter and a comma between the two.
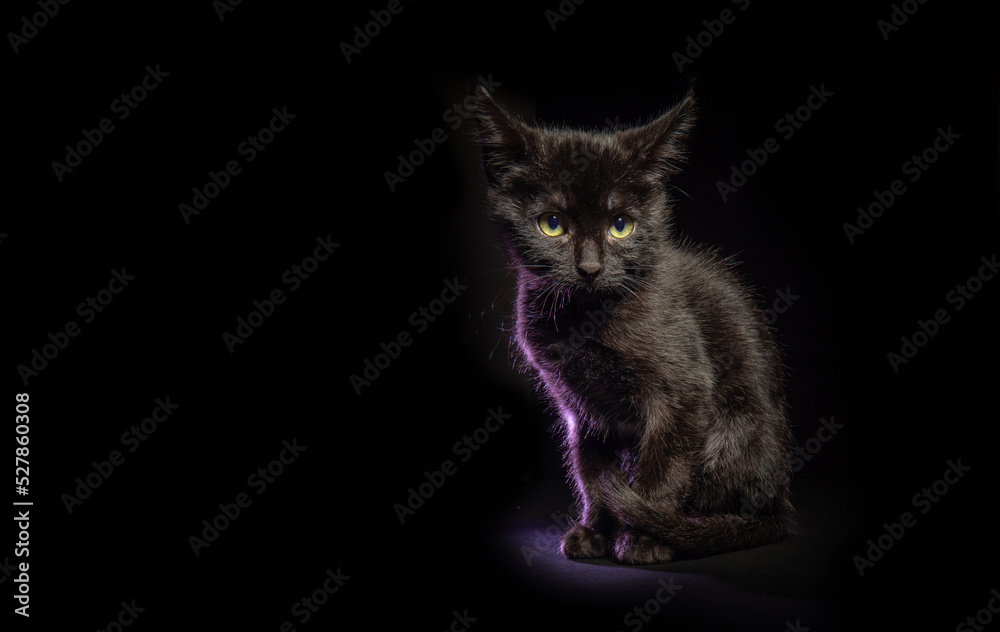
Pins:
x: 590, y: 365
x: 587, y: 342
x: 582, y: 332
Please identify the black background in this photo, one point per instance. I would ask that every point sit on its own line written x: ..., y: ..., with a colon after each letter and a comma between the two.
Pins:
x: 324, y: 175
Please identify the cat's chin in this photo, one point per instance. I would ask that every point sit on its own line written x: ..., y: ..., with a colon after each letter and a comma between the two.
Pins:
x: 594, y: 292
x: 587, y: 296
x: 583, y: 295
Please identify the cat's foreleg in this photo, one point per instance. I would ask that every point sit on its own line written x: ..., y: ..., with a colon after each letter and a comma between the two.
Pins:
x: 661, y: 477
x: 632, y: 543
x: 587, y: 459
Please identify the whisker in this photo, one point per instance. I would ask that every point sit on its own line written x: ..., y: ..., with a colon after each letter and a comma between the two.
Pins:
x: 674, y: 186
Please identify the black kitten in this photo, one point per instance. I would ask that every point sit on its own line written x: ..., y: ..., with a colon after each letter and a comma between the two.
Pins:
x: 666, y: 378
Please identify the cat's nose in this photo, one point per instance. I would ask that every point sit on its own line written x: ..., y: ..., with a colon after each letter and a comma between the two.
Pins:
x: 589, y: 270
x: 589, y: 264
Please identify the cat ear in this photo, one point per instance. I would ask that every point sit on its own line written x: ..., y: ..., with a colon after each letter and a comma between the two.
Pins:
x: 504, y: 139
x: 661, y: 144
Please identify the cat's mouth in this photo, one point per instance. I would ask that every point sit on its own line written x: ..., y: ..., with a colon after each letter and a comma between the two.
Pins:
x: 595, y: 288
x: 553, y: 296
x: 587, y: 297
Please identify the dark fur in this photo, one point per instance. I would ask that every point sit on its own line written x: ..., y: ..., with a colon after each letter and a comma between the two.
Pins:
x: 671, y: 402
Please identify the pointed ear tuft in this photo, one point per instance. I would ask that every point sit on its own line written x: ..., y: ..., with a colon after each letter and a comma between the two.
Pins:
x: 661, y: 145
x: 504, y: 139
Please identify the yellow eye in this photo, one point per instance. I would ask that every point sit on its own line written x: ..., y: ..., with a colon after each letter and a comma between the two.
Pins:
x: 621, y: 227
x: 551, y: 224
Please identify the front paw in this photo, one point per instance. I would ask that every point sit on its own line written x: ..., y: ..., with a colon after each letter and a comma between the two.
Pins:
x: 580, y: 542
x: 631, y: 547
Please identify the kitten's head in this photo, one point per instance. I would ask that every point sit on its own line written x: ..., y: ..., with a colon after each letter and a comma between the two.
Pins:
x: 585, y: 211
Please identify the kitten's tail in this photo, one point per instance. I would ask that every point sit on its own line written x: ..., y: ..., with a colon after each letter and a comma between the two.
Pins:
x: 697, y: 534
